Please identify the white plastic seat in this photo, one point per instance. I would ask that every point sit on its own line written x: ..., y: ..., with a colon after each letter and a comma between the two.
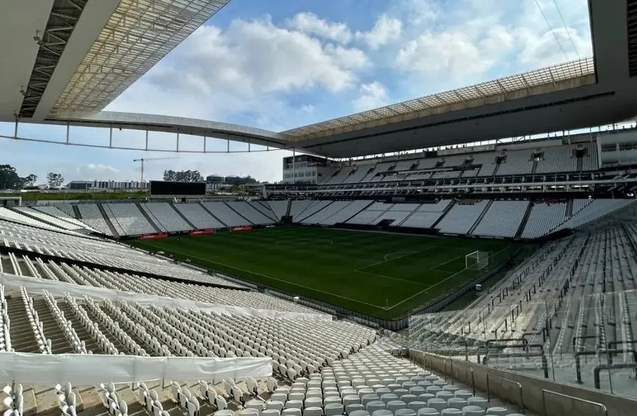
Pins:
x: 463, y: 394
x: 450, y: 411
x: 312, y: 411
x: 497, y: 411
x: 437, y: 404
x: 224, y: 412
x: 274, y: 405
x: 271, y: 412
x: 296, y: 396
x: 478, y: 401
x: 291, y: 412
x: 374, y: 405
x: 408, y: 398
x: 445, y: 395
x: 366, y: 398
x: 456, y: 402
x: 428, y: 411
x: 351, y: 399
x: 294, y: 404
x: 314, y: 402
x: 333, y: 409
x: 279, y: 397
x: 359, y: 413
x: 405, y: 412
x: 472, y: 411
x: 383, y: 412
x: 332, y: 399
x: 387, y: 397
x: 254, y: 404
x: 353, y: 407
x: 416, y: 405
x: 394, y: 405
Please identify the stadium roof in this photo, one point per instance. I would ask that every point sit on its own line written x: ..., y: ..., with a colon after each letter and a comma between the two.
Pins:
x: 69, y: 58
x: 78, y: 55
x: 540, y: 81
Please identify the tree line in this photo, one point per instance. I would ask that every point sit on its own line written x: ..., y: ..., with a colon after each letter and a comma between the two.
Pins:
x: 9, y: 179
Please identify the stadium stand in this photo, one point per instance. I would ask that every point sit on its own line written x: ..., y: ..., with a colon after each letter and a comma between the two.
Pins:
x: 544, y: 217
x: 503, y: 219
x: 128, y: 219
x: 371, y: 215
x: 165, y: 216
x: 397, y: 213
x: 279, y: 208
x: 54, y: 211
x: 247, y: 211
x: 576, y: 294
x: 55, y: 219
x: 91, y: 215
x: 538, y: 157
x: 426, y: 215
x: 462, y: 216
x: 198, y: 216
x: 225, y: 214
x: 312, y: 208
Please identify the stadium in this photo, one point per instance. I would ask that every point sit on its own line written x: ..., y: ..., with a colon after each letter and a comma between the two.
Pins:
x: 468, y: 252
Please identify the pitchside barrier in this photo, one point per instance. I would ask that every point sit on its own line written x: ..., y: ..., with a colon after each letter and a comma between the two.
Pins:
x: 153, y: 236
x: 199, y: 233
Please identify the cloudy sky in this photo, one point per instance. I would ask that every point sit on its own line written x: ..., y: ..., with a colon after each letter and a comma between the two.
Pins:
x: 278, y: 64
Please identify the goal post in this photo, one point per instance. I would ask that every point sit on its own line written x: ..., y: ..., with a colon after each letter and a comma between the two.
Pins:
x: 476, y: 260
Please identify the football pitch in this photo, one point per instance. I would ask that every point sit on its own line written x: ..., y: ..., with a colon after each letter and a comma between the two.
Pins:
x: 379, y: 274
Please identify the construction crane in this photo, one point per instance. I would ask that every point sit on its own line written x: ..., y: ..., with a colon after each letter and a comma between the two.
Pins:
x: 142, y: 160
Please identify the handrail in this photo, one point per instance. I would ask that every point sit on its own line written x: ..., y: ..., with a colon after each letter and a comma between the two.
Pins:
x: 517, y: 384
x: 609, y: 367
x: 545, y: 392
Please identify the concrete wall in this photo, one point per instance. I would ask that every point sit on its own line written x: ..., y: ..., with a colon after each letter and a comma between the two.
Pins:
x: 535, y: 394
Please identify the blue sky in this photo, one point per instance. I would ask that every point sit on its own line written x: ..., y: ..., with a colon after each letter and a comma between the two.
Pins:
x: 279, y: 64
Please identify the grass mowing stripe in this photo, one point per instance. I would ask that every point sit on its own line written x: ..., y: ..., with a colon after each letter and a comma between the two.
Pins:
x: 365, y: 272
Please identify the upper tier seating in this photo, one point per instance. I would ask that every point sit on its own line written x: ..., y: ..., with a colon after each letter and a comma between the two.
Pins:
x: 557, y: 159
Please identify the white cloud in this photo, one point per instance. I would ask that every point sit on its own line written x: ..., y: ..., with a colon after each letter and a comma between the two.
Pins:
x: 543, y: 50
x: 249, y: 69
x: 451, y: 53
x: 312, y: 24
x: 373, y: 95
x: 386, y: 30
x: 91, y: 171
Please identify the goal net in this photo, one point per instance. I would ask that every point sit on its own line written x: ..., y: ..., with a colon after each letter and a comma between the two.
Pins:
x: 476, y: 260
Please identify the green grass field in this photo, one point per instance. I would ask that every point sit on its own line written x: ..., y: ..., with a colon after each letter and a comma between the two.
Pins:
x: 379, y: 274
